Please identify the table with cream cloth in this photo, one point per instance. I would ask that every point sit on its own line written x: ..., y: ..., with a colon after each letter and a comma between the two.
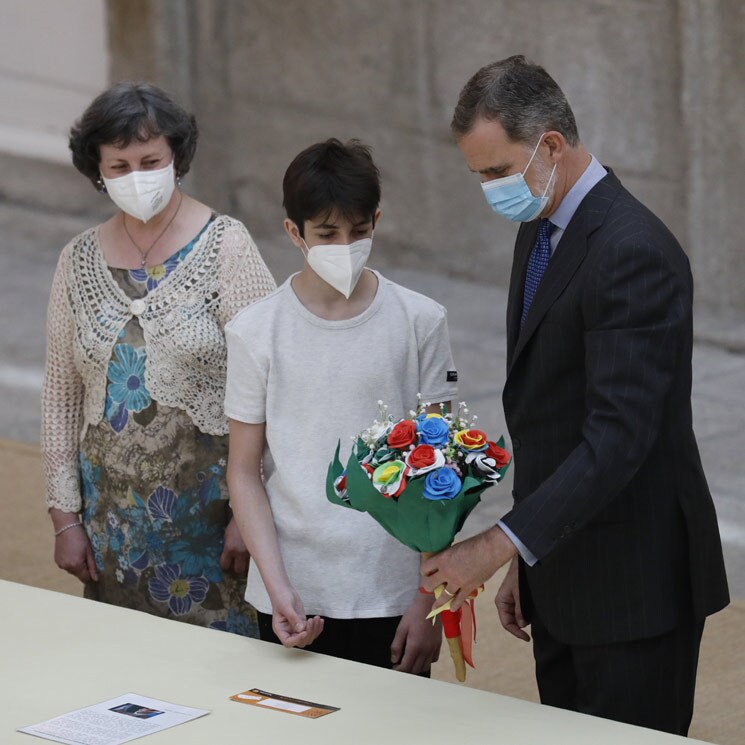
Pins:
x: 59, y: 653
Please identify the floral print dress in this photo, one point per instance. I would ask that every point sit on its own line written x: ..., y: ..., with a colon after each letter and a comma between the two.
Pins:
x: 154, y: 493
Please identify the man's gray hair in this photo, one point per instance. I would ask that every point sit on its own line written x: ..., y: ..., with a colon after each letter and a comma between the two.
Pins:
x: 521, y: 96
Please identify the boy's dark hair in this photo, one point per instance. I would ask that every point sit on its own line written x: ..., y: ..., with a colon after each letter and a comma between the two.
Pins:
x: 331, y: 176
x: 132, y: 112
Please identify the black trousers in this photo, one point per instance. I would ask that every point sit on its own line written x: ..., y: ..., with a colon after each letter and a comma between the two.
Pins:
x: 366, y: 640
x: 647, y: 682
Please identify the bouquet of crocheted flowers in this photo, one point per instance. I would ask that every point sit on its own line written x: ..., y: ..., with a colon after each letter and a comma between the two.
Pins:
x: 420, y: 478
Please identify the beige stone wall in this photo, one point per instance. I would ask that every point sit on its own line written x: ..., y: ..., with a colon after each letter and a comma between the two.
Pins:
x: 713, y: 70
x: 53, y: 59
x: 657, y: 88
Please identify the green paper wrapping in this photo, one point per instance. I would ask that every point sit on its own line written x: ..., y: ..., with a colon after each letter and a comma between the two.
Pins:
x: 419, y: 523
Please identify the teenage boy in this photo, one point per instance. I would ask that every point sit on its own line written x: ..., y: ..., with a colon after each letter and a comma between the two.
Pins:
x: 307, y: 366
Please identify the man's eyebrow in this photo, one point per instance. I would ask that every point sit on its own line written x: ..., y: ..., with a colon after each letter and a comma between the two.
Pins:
x: 501, y: 168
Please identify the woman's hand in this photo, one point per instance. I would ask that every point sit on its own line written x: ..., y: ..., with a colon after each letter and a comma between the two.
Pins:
x: 235, y: 556
x: 73, y: 553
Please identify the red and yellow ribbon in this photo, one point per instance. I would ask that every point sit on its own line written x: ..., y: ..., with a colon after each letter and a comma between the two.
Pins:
x: 460, y: 630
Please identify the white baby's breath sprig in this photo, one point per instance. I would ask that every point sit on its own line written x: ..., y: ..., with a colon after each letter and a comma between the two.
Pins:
x: 382, y: 413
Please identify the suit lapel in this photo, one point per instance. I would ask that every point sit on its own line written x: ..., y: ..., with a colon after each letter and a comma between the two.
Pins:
x: 569, y: 254
x: 523, y: 246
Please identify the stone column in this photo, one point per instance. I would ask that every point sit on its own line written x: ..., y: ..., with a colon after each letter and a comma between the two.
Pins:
x: 151, y: 40
x: 713, y: 91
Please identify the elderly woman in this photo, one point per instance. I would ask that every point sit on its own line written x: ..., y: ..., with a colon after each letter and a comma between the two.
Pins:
x: 134, y: 437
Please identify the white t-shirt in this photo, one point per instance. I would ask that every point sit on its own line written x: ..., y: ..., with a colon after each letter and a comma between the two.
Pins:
x: 315, y: 382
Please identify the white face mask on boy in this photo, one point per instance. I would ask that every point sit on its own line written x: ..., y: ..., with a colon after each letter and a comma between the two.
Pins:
x: 142, y: 194
x: 340, y: 265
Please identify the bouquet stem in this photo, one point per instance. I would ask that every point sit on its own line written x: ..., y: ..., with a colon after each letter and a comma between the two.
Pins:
x: 456, y: 654
x: 451, y: 628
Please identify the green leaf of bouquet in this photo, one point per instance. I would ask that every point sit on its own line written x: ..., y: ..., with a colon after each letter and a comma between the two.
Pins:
x: 362, y: 449
x: 419, y: 523
x: 334, y: 471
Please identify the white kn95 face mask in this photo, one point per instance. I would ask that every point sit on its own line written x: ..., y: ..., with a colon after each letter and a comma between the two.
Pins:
x: 338, y: 264
x: 142, y: 194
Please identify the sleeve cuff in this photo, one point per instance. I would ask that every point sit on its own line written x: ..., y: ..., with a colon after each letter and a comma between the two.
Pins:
x: 522, y: 549
x: 245, y: 417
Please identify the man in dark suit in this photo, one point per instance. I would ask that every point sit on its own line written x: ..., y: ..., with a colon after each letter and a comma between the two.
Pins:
x: 613, y: 538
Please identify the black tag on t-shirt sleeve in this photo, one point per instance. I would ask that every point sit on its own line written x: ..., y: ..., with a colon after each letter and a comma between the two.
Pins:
x: 452, y: 376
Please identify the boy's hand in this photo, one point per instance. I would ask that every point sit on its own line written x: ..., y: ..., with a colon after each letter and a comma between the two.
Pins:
x: 290, y: 624
x: 235, y: 556
x: 416, y: 644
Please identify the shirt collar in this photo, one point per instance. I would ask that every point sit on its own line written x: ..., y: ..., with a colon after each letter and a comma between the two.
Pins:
x: 568, y: 206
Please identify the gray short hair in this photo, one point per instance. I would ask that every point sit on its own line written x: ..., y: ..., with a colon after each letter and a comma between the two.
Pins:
x: 521, y: 96
x: 132, y: 112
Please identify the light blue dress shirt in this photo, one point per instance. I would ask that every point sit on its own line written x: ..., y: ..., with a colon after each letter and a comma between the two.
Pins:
x: 561, y: 217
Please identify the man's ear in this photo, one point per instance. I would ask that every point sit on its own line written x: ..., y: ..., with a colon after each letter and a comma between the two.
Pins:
x: 556, y: 144
x: 376, y: 218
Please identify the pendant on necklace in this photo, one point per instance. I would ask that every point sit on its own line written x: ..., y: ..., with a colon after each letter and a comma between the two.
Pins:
x: 142, y: 263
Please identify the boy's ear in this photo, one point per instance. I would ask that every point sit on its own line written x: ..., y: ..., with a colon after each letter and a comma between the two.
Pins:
x: 376, y: 218
x: 293, y: 232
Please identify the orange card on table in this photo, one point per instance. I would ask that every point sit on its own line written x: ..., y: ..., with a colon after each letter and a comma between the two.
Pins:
x: 296, y: 706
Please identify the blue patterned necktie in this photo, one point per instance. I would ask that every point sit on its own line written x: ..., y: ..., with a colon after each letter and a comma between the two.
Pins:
x: 537, y: 264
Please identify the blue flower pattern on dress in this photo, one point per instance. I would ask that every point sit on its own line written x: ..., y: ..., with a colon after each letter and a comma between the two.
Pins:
x: 98, y: 543
x: 126, y: 376
x: 89, y: 476
x: 152, y: 276
x: 116, y: 414
x: 163, y: 529
x: 160, y: 503
x: 200, y: 544
x: 168, y: 586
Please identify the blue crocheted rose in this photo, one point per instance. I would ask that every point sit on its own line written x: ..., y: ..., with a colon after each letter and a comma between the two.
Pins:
x: 441, y: 484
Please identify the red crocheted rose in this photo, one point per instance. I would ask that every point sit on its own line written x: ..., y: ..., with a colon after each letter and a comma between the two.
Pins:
x: 402, y: 435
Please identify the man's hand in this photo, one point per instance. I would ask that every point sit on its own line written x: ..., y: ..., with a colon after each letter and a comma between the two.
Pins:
x: 467, y: 565
x: 417, y: 642
x: 508, y: 604
x: 289, y: 622
x: 235, y: 556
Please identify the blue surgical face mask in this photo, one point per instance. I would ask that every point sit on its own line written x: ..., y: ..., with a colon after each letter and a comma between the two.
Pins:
x: 511, y: 197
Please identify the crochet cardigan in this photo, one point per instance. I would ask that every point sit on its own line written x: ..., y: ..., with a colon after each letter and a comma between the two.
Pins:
x: 182, y: 321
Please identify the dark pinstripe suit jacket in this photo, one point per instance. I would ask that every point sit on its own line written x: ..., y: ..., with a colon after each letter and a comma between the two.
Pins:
x: 609, y: 492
